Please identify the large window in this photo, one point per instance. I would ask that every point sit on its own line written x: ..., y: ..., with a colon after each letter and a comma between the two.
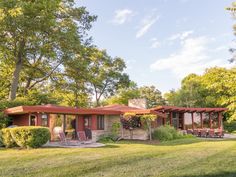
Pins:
x: 197, y: 120
x: 188, y: 120
x: 87, y: 121
x: 168, y: 119
x: 215, y: 120
x: 206, y: 120
x: 100, y: 122
x: 44, y: 120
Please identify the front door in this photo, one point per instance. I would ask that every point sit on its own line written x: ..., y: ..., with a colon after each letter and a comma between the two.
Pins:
x: 87, y: 126
x: 32, y: 120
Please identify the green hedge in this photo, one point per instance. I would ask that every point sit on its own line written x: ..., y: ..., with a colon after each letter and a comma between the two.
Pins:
x: 26, y: 137
x: 230, y: 126
x: 166, y: 133
x: 7, y: 139
x: 1, y: 143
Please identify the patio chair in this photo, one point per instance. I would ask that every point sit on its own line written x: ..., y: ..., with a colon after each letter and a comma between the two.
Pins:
x: 203, y: 133
x: 219, y: 133
x: 189, y: 131
x: 211, y: 133
x: 82, y: 137
x: 195, y: 132
x: 67, y: 141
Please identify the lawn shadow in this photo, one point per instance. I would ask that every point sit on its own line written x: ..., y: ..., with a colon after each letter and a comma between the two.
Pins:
x: 164, y: 143
x: 217, y: 174
x: 107, y: 146
x: 185, y: 141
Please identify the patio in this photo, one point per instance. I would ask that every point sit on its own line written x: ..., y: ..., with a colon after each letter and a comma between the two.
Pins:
x: 74, y: 145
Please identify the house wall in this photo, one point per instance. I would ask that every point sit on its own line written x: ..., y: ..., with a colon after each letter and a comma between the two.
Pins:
x: 108, y: 121
x: 21, y: 120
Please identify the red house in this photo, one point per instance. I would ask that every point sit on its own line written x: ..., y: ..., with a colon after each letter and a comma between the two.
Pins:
x: 100, y: 120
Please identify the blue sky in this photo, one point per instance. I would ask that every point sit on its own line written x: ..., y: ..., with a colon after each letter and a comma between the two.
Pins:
x: 163, y: 40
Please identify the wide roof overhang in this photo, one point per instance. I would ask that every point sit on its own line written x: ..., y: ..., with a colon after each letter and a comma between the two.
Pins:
x: 58, y: 110
x: 187, y: 110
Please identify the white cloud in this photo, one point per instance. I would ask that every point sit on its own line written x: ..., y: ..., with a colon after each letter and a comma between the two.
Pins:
x: 146, y: 24
x: 181, y: 36
x: 155, y: 43
x: 122, y: 16
x: 193, y: 57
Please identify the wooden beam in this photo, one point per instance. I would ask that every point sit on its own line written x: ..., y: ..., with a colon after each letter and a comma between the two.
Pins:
x: 64, y: 123
x: 219, y: 119
x: 201, y: 120
x: 192, y: 120
x: 210, y: 120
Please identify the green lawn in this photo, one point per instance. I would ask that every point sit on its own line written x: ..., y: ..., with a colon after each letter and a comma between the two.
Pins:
x: 188, y: 157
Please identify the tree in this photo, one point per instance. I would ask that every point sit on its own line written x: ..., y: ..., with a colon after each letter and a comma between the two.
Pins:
x: 124, y: 94
x: 215, y: 88
x: 148, y: 119
x: 232, y: 9
x: 152, y: 95
x: 191, y: 94
x: 40, y: 35
x: 106, y: 74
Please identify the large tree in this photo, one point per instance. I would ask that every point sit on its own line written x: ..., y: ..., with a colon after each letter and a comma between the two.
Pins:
x: 215, y: 88
x: 152, y: 95
x: 40, y: 36
x: 106, y: 74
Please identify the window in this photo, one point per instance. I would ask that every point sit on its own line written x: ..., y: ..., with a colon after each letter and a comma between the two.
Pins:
x: 188, y: 120
x: 87, y: 121
x: 100, y: 122
x: 32, y: 120
x: 44, y: 120
x: 197, y: 120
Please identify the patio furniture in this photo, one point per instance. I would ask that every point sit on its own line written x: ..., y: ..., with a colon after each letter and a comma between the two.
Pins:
x: 67, y: 141
x: 83, y: 138
x: 211, y: 133
x: 88, y: 133
x: 189, y: 131
x: 203, y: 133
x: 219, y: 133
x: 195, y: 132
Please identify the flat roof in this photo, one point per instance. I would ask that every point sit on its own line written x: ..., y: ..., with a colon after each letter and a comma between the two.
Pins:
x: 106, y: 110
x: 185, y: 109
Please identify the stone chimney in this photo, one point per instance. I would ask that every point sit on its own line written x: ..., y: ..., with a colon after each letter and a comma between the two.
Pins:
x: 138, y: 103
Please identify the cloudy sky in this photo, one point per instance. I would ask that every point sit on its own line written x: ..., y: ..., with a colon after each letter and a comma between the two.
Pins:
x: 162, y: 41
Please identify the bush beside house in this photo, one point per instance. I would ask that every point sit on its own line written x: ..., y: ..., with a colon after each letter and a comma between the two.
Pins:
x: 25, y: 137
x: 167, y: 133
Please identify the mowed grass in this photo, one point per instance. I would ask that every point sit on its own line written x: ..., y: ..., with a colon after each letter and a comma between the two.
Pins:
x: 188, y: 157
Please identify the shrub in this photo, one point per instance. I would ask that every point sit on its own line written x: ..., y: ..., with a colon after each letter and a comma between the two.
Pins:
x: 230, y: 126
x: 30, y: 136
x: 1, y: 143
x: 107, y: 138
x: 7, y: 139
x: 166, y: 133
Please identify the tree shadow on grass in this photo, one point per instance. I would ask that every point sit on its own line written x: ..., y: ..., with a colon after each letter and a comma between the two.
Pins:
x: 184, y: 141
x: 107, y: 146
x: 217, y: 174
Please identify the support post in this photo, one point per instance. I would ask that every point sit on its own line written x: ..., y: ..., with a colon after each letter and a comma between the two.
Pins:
x: 219, y: 120
x: 201, y: 120
x: 64, y: 123
x: 210, y: 120
x: 171, y: 115
x: 192, y: 120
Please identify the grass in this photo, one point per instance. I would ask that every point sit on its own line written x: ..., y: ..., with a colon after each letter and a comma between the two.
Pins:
x: 186, y: 157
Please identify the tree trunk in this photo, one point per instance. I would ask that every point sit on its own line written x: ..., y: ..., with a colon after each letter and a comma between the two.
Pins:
x: 15, y: 80
x: 16, y: 73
